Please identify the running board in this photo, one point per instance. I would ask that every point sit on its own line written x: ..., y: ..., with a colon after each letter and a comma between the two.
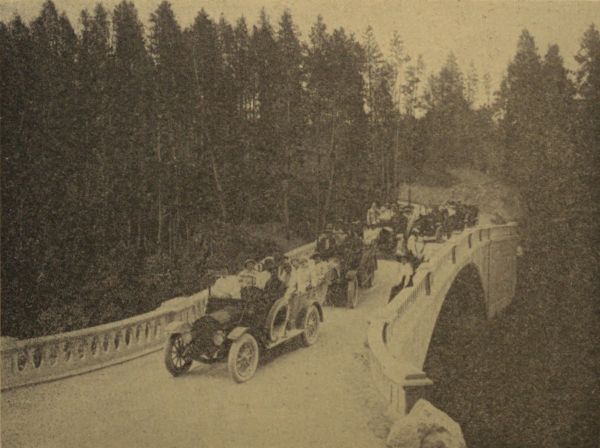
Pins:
x: 289, y: 334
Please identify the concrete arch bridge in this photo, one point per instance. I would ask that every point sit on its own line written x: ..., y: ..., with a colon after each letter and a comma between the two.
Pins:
x: 107, y: 386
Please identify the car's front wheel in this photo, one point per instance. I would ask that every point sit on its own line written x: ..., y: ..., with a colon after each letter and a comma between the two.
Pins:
x: 176, y: 360
x: 312, y: 320
x: 243, y: 358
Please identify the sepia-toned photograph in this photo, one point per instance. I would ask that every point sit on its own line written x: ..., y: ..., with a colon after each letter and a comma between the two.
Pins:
x: 300, y: 223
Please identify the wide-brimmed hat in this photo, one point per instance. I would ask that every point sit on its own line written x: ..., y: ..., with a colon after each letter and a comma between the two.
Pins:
x: 249, y: 261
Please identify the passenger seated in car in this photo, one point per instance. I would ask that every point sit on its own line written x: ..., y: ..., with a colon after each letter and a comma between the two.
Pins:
x: 339, y: 233
x: 315, y: 269
x: 261, y: 299
x: 262, y: 275
x: 326, y: 243
x: 303, y: 276
x: 385, y: 214
x: 274, y: 287
x: 247, y: 278
x: 248, y: 272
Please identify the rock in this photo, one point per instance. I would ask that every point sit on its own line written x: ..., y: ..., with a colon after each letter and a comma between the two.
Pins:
x: 425, y: 426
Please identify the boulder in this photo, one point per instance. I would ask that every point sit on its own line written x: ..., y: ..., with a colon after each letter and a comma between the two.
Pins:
x: 425, y: 426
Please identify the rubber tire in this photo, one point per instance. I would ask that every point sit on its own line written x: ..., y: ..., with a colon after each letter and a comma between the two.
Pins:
x: 311, y: 313
x: 246, y: 338
x: 352, y: 293
x: 169, y: 364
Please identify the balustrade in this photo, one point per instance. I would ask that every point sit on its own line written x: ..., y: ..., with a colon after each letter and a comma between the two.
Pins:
x: 393, y: 335
x: 37, y: 360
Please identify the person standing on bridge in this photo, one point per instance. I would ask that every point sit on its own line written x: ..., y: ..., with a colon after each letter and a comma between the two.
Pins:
x: 404, y: 273
x: 416, y: 248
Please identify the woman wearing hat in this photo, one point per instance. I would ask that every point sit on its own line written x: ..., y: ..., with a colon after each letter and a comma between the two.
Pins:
x: 247, y: 276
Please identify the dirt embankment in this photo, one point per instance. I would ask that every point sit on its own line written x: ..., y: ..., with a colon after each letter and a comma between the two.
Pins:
x: 467, y: 185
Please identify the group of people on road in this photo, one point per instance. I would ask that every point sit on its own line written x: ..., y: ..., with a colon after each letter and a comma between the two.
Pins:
x: 404, y: 227
x: 342, y: 242
x: 387, y: 214
x: 282, y: 275
x: 261, y: 284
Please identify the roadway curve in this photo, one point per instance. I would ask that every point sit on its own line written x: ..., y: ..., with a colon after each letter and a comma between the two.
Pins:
x: 317, y: 396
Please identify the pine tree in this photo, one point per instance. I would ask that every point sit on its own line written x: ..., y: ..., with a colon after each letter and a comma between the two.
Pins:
x: 17, y: 125
x: 487, y: 88
x: 94, y: 66
x: 588, y: 114
x: 319, y: 105
x: 447, y: 115
x: 264, y: 184
x: 289, y: 106
x: 471, y: 84
x: 559, y: 152
x: 521, y: 102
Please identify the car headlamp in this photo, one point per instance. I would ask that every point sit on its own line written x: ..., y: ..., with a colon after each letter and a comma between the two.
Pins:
x: 219, y: 338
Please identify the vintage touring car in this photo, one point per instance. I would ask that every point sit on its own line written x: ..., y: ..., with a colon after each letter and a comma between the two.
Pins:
x: 240, y: 323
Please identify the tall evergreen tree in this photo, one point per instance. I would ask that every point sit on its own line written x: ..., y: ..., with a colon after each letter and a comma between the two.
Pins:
x: 166, y: 48
x: 290, y: 109
x: 133, y: 119
x: 447, y: 114
x: 521, y: 102
x: 588, y: 114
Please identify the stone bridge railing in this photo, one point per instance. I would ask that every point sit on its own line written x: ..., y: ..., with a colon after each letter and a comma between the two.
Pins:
x: 399, y: 333
x: 48, y: 358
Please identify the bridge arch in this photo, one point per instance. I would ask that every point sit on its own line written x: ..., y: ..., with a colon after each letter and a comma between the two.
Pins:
x: 455, y: 357
x: 404, y: 336
x: 461, y: 315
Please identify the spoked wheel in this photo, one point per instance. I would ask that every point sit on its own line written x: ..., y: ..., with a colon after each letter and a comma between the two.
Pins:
x: 311, y: 326
x: 243, y: 358
x: 352, y: 293
x: 176, y: 360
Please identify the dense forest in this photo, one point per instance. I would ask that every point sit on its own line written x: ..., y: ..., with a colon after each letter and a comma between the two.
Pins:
x: 132, y: 156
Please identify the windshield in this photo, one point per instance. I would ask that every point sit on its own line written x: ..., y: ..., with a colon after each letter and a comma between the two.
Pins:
x: 227, y: 287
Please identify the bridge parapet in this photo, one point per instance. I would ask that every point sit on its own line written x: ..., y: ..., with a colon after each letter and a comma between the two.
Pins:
x: 48, y: 358
x: 399, y: 334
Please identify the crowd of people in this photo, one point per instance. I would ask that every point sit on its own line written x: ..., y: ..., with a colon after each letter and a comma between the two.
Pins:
x: 278, y: 275
x: 405, y: 228
x: 401, y: 228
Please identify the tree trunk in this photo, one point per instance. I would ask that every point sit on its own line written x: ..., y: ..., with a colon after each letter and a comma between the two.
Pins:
x: 332, y: 161
x: 395, y: 164
x: 318, y: 183
x: 285, y: 182
x: 218, y: 185
x: 286, y: 210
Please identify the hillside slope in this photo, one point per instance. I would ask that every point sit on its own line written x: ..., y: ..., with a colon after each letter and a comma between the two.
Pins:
x: 467, y: 185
